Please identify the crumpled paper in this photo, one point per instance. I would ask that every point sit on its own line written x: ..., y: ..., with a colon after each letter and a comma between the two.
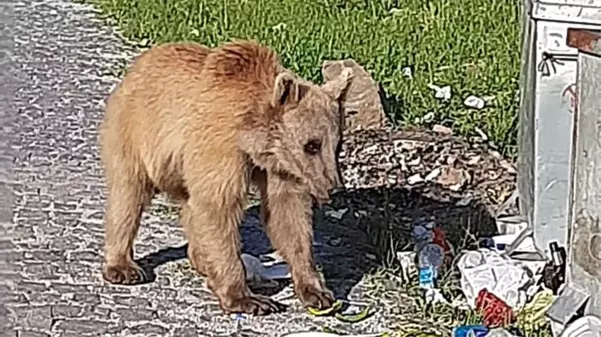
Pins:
x: 487, y: 269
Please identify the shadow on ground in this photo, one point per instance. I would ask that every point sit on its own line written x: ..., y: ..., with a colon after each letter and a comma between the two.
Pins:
x: 359, y: 231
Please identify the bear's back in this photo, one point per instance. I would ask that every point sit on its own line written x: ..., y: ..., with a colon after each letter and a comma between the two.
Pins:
x: 182, y: 95
x: 243, y: 62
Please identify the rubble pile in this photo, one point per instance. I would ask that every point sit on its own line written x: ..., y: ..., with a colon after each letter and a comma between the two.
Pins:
x: 439, y: 165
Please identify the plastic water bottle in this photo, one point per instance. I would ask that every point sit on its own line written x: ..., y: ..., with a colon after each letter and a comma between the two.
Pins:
x: 430, y: 259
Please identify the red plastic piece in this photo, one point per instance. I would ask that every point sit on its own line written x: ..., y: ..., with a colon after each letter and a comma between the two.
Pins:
x: 494, y: 311
x: 440, y: 239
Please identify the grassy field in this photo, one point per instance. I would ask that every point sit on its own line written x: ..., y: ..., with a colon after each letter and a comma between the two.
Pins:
x: 471, y: 45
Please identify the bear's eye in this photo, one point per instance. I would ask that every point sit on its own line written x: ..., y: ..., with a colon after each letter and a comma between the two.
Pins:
x: 312, y: 147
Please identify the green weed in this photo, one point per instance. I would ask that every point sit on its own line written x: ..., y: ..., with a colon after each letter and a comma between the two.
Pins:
x: 472, y: 45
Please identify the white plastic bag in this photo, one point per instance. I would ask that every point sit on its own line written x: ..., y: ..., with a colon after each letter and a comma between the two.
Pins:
x: 487, y: 269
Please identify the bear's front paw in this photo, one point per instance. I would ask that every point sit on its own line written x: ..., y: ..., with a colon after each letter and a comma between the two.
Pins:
x: 124, y: 274
x: 315, y: 297
x: 255, y: 305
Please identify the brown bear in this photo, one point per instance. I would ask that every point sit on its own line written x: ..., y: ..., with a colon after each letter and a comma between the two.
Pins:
x: 200, y: 124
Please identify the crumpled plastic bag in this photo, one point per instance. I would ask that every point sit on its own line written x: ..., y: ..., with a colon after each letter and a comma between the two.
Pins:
x: 586, y: 326
x: 257, y: 271
x: 487, y: 269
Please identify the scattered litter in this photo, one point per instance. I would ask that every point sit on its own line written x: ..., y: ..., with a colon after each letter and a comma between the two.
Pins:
x: 587, y: 326
x: 435, y: 173
x: 496, y: 154
x: 470, y: 331
x: 466, y: 200
x: 428, y: 117
x: 257, y: 271
x: 279, y: 27
x: 392, y: 161
x: 442, y: 93
x: 511, y: 225
x: 270, y: 259
x: 494, y: 310
x: 414, y: 179
x: 532, y: 315
x: 422, y: 235
x: 487, y: 269
x: 144, y: 43
x: 428, y: 271
x: 325, y: 312
x: 337, y: 214
x: 499, y: 332
x: 407, y: 261
x: 474, y: 102
x: 486, y: 242
x: 441, y: 240
x: 431, y: 248
x: 443, y: 130
x: 352, y: 314
x: 354, y: 317
x: 238, y: 318
x: 434, y: 295
x: 481, y: 133
x: 554, y: 271
x: 408, y: 72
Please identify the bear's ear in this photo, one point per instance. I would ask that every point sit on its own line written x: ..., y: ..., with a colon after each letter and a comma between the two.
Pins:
x: 288, y: 89
x: 337, y: 86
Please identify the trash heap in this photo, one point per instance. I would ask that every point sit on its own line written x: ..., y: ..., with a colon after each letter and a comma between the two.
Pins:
x: 508, y: 294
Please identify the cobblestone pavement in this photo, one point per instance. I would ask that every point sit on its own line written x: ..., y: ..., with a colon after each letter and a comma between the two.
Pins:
x: 50, y: 252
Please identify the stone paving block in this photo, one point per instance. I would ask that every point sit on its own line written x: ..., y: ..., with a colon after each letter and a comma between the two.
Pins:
x: 53, y: 201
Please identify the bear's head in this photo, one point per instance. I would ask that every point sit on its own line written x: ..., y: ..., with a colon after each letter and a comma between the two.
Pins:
x: 301, y: 138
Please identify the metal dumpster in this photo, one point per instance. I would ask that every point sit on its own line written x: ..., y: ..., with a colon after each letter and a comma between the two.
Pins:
x: 582, y: 292
x: 548, y: 105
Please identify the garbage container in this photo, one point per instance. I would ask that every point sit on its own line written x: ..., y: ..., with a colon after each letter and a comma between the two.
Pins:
x: 548, y: 105
x: 582, y: 291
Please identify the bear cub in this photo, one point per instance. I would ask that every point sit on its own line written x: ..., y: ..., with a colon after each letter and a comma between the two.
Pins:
x: 200, y: 124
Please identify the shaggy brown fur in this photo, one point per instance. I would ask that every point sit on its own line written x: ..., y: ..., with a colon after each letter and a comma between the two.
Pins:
x: 201, y: 124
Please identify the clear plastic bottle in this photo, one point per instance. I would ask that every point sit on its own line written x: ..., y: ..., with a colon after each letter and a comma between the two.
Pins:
x: 430, y: 259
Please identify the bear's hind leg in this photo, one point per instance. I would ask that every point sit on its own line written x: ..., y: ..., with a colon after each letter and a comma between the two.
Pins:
x: 129, y: 192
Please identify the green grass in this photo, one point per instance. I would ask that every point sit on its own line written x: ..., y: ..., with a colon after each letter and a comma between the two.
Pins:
x: 472, y: 45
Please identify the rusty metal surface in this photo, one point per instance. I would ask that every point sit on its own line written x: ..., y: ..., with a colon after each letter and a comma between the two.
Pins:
x: 585, y: 40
